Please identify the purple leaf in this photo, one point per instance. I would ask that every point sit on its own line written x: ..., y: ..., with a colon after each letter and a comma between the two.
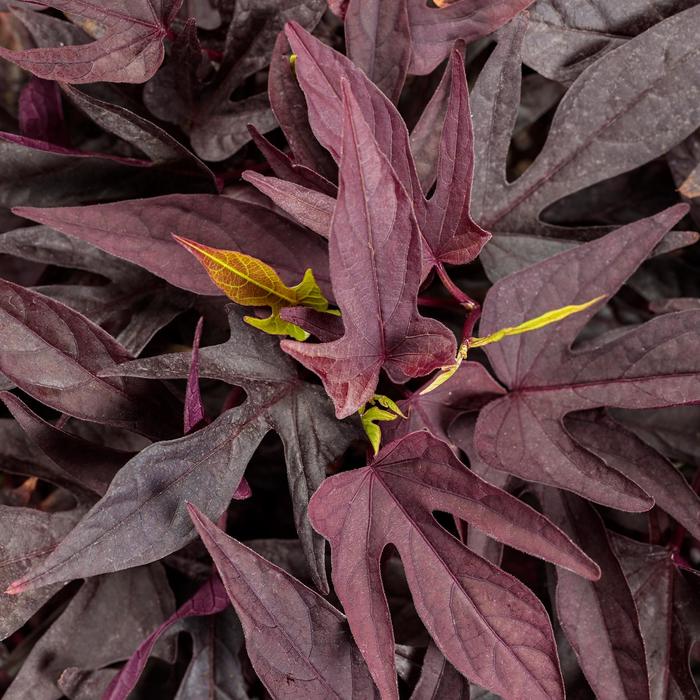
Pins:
x: 447, y: 236
x: 194, y: 410
x: 207, y: 466
x: 438, y: 679
x: 41, y: 112
x: 54, y: 354
x: 289, y: 107
x: 208, y: 600
x: 70, y: 452
x: 297, y: 642
x: 128, y: 47
x: 614, y: 118
x: 378, y: 42
x: 460, y: 597
x: 668, y: 615
x: 107, y: 618
x: 310, y: 208
x: 434, y: 30
x: 141, y: 231
x: 26, y: 537
x: 375, y: 228
x: 470, y: 388
x: 650, y: 366
x: 599, y: 618
x: 563, y: 40
x: 157, y: 144
x: 623, y: 451
x: 324, y: 327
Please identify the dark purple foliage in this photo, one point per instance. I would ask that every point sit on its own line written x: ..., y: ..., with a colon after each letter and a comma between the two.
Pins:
x: 464, y: 461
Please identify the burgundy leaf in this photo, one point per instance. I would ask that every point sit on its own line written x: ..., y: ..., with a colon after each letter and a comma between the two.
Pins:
x: 215, y: 669
x: 41, y: 112
x: 194, y: 410
x: 623, y: 451
x: 325, y: 327
x: 289, y: 107
x: 207, y: 466
x: 460, y: 597
x: 599, y: 618
x: 307, y: 206
x: 297, y: 642
x: 439, y: 679
x: 447, y: 235
x: 470, y: 388
x: 26, y: 537
x: 378, y: 41
x: 149, y: 138
x: 107, y: 618
x: 70, y: 452
x: 614, y: 118
x: 452, y: 235
x: 668, y: 615
x: 54, y: 354
x: 374, y: 227
x: 650, y: 366
x: 564, y: 39
x: 434, y: 30
x: 208, y: 600
x: 141, y: 231
x: 128, y: 47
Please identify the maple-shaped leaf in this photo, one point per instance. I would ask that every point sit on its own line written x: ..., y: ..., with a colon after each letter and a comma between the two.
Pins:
x: 488, y: 624
x: 144, y: 504
x: 54, y: 354
x: 141, y: 231
x: 128, y: 47
x: 599, y: 618
x: 250, y: 282
x: 649, y: 366
x: 375, y: 269
x: 667, y: 602
x: 297, y: 642
x: 448, y: 233
x: 435, y: 29
x: 613, y: 119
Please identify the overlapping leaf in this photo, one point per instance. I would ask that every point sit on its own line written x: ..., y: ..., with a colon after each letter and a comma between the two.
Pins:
x: 615, y: 117
x: 297, y: 642
x: 649, y: 366
x: 141, y: 231
x: 54, y: 354
x: 375, y: 267
x: 459, y: 596
x: 128, y: 46
x: 145, y: 501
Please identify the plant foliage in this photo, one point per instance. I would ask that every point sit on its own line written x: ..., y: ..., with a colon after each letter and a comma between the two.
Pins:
x: 349, y: 349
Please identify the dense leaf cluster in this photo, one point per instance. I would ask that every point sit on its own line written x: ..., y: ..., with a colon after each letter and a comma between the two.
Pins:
x: 413, y: 283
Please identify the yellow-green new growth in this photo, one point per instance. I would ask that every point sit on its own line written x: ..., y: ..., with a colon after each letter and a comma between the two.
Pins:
x: 370, y: 415
x: 525, y: 327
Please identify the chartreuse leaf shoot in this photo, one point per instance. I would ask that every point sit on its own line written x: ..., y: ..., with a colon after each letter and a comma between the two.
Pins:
x: 532, y: 324
x: 250, y: 282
